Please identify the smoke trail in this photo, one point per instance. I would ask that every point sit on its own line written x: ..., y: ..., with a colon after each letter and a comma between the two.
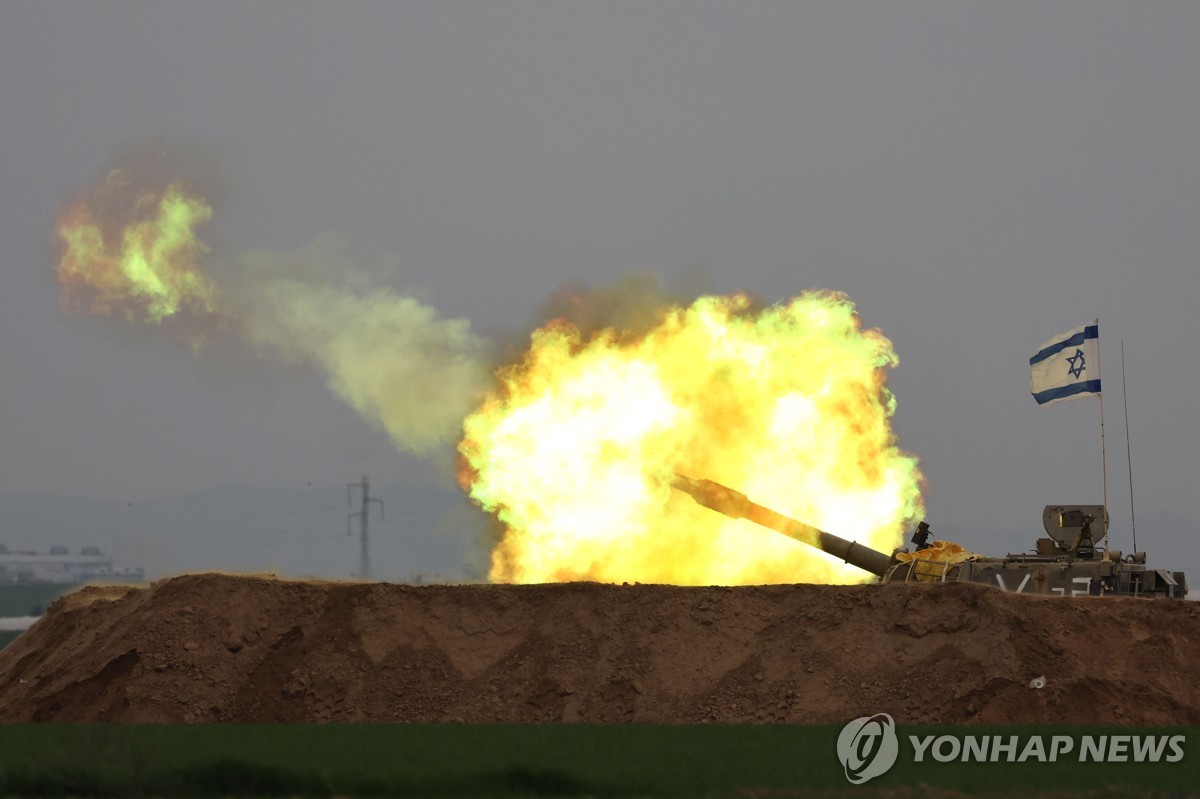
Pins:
x: 130, y: 248
x: 387, y: 355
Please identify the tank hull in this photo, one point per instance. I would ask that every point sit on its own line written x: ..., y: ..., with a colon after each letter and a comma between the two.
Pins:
x: 1049, y: 576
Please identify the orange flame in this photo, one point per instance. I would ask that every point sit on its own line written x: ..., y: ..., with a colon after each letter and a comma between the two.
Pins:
x: 575, y: 449
x: 133, y: 250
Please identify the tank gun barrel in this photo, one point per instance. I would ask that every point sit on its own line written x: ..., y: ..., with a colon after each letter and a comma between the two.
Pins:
x: 737, y: 505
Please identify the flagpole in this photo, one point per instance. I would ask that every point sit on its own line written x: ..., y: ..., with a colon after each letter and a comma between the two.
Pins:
x: 1128, y: 456
x: 1103, y: 450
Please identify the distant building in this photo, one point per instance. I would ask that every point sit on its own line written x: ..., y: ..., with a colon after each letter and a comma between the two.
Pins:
x: 60, y: 567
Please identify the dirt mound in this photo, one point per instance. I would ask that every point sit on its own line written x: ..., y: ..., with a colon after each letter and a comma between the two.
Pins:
x: 215, y: 647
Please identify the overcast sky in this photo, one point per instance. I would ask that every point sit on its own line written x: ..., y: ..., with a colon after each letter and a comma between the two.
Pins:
x: 976, y: 176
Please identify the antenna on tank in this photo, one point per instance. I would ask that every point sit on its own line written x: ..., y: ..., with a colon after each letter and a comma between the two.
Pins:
x: 364, y: 554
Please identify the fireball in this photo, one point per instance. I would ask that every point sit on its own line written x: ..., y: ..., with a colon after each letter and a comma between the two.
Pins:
x: 575, y: 448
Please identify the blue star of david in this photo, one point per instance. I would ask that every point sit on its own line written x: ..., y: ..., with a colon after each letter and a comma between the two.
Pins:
x: 1078, y: 364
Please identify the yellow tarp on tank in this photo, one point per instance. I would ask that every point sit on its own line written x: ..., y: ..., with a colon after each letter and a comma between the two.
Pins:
x: 934, y: 561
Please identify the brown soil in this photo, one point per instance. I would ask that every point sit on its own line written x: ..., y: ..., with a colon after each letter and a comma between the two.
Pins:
x: 212, y: 647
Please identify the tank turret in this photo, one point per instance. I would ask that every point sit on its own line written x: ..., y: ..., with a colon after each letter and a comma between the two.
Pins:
x: 1067, y: 563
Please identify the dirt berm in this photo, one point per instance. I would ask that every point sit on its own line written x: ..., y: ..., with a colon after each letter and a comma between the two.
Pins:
x: 210, y: 647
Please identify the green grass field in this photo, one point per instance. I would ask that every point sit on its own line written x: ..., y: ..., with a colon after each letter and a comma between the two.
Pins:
x: 513, y: 760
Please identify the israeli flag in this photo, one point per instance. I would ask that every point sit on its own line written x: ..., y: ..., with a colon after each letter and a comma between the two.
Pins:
x: 1067, y: 366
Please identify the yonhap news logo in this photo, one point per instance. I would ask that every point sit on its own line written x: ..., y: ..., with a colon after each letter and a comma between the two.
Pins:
x: 868, y: 747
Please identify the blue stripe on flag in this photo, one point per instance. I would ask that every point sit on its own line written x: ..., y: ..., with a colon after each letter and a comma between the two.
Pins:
x: 1091, y: 331
x: 1062, y: 392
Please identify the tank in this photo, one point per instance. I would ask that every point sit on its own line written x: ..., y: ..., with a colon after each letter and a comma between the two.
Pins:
x: 1068, y: 562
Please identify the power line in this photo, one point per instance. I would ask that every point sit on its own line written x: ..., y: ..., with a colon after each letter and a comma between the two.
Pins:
x: 364, y: 554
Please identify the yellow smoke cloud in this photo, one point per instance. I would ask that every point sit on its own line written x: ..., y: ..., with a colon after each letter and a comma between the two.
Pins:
x: 142, y: 265
x: 132, y: 248
x: 388, y: 356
